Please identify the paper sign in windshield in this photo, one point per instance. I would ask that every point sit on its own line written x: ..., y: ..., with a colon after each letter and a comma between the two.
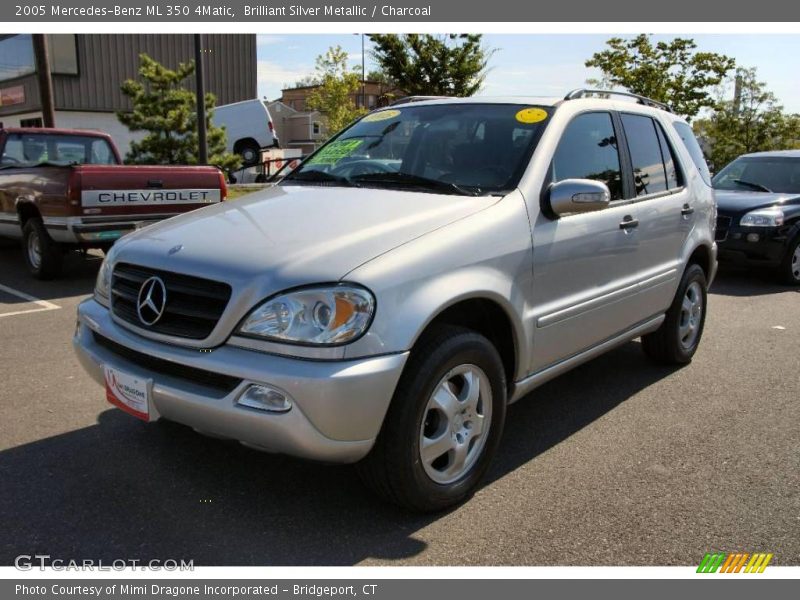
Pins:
x: 335, y: 151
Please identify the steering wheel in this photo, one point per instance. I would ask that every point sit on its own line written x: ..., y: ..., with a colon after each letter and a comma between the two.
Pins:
x: 496, y: 170
x: 362, y: 167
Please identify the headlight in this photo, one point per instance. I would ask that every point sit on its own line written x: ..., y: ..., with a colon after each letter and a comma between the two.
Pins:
x: 322, y: 315
x: 763, y: 217
x: 102, y: 287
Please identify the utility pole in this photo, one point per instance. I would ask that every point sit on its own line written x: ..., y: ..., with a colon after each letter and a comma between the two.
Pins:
x: 363, y: 75
x: 42, y: 56
x: 202, y: 151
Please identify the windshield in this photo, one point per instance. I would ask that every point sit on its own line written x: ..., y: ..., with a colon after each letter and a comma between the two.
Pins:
x: 31, y: 149
x: 761, y: 174
x: 468, y: 149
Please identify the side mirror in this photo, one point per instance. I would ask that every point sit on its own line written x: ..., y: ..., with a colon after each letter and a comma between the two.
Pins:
x: 572, y: 196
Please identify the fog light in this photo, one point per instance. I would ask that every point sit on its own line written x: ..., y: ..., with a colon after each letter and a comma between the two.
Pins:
x: 265, y: 397
x: 753, y: 237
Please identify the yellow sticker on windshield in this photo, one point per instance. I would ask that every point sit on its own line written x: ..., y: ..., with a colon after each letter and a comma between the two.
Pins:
x: 382, y: 115
x: 531, y: 115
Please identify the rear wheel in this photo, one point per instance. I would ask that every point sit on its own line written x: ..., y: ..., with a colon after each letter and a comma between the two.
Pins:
x: 250, y: 153
x: 676, y: 341
x: 42, y: 255
x: 444, y: 424
x: 789, y: 271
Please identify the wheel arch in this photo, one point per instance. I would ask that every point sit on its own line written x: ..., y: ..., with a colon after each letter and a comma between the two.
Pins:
x: 487, y: 316
x: 26, y: 210
x: 240, y: 144
x: 703, y: 256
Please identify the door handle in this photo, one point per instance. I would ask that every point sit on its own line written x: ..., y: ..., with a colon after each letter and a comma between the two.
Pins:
x: 686, y: 210
x: 628, y: 222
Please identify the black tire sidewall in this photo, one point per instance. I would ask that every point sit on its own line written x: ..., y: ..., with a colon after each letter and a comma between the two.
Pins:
x: 693, y: 273
x: 249, y: 148
x: 466, y: 348
x: 29, y: 230
x: 786, y: 268
x: 50, y: 252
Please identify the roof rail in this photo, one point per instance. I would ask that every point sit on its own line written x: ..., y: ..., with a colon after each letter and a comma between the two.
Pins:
x: 409, y: 99
x: 583, y: 92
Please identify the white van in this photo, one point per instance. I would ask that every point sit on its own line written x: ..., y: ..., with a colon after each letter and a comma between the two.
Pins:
x: 249, y: 128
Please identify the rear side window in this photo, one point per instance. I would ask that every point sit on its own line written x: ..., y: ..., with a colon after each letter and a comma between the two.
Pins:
x: 687, y: 135
x: 649, y: 174
x: 670, y: 164
x: 588, y: 150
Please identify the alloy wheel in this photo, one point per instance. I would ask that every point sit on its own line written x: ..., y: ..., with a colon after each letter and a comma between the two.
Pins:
x: 691, y: 315
x: 456, y: 424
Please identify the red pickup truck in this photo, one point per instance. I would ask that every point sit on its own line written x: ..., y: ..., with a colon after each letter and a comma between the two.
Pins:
x: 68, y: 189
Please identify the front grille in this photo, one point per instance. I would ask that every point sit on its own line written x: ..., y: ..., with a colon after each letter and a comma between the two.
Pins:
x: 723, y: 224
x: 216, y: 381
x: 193, y: 305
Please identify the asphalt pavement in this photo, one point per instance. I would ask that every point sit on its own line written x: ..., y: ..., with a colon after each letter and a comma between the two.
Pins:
x: 619, y: 462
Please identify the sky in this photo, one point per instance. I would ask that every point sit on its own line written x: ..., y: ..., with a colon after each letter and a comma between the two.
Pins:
x: 538, y: 64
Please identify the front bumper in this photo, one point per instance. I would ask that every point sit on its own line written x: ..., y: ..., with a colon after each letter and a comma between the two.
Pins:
x: 338, y: 406
x: 753, y: 246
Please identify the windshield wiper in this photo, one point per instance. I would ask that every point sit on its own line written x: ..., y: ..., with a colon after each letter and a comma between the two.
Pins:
x: 752, y: 185
x: 407, y: 179
x: 319, y: 177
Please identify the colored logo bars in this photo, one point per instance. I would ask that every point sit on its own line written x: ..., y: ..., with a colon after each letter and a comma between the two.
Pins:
x: 734, y: 562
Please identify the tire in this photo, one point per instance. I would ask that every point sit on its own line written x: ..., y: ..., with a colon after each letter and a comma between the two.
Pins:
x: 789, y: 271
x: 42, y: 255
x: 250, y: 153
x: 447, y: 359
x: 676, y: 341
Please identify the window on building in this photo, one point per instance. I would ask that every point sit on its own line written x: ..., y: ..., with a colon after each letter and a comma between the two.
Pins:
x: 32, y: 122
x: 63, y: 54
x: 316, y: 128
x: 17, y: 56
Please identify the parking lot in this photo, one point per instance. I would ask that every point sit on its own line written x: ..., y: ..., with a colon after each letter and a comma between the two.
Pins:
x: 616, y: 463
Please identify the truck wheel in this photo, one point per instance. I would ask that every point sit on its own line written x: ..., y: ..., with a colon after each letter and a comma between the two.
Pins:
x: 250, y: 153
x: 444, y: 423
x: 789, y: 271
x: 42, y: 254
x: 676, y: 341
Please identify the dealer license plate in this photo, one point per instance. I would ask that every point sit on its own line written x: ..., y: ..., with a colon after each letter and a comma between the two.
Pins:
x: 128, y: 392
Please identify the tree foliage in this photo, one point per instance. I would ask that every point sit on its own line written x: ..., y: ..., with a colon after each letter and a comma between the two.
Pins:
x: 672, y: 72
x: 166, y: 109
x: 751, y: 121
x: 433, y: 65
x: 337, y: 86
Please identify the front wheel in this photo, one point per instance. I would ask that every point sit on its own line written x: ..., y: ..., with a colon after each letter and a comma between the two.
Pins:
x: 676, y: 341
x: 789, y: 271
x: 444, y: 423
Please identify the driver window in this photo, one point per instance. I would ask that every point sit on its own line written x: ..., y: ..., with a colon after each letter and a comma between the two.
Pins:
x: 588, y: 150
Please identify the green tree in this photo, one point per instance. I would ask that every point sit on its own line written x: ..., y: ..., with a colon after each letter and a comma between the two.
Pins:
x: 166, y: 109
x: 338, y: 85
x: 433, y: 65
x: 751, y: 121
x: 672, y: 72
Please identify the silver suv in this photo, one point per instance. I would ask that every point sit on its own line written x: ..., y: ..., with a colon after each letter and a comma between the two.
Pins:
x: 434, y: 262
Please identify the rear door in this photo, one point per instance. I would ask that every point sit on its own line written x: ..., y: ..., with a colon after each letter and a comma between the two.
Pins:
x: 663, y: 206
x: 586, y: 266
